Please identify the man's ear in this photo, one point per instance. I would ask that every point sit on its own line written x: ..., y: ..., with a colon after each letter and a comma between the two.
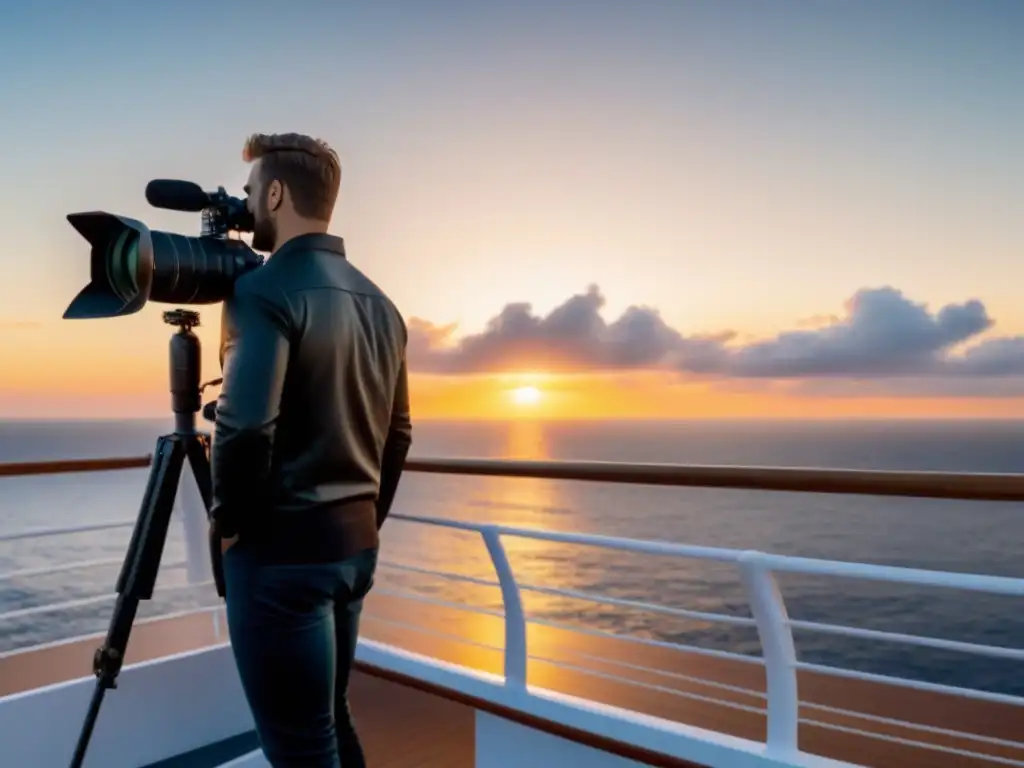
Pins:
x: 275, y: 195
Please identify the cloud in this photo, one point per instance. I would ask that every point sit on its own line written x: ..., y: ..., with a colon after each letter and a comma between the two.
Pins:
x: 880, y: 336
x: 573, y: 336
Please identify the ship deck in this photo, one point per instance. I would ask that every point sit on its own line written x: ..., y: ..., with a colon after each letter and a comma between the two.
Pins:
x: 435, y: 732
x: 436, y: 728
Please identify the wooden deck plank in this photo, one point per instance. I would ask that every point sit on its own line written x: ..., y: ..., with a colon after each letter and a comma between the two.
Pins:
x: 403, y: 728
x: 433, y: 733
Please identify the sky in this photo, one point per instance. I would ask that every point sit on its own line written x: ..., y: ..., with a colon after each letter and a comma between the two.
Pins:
x: 646, y: 209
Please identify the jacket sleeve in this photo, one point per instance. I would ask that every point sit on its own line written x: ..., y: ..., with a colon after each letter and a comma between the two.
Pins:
x: 255, y: 334
x: 396, y: 447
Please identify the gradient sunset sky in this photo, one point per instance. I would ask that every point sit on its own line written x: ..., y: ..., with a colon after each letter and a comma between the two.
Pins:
x: 812, y: 208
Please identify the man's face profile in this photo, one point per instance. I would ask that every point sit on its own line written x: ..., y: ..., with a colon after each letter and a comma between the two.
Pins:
x: 264, y: 202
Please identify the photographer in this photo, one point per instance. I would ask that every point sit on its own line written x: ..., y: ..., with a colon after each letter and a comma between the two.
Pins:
x: 312, y: 433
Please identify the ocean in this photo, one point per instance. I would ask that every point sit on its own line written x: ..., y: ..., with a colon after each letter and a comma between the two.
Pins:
x: 958, y: 536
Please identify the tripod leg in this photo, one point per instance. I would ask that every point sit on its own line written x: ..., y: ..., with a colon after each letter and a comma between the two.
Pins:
x: 192, y: 502
x: 138, y: 575
x: 198, y: 451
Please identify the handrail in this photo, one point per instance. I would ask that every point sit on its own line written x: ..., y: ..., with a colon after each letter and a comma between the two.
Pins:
x: 940, y: 485
x: 963, y: 486
x: 19, y: 469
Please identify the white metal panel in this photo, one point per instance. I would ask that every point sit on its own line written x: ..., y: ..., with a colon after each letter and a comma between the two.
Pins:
x: 504, y: 744
x: 160, y: 709
x: 254, y: 759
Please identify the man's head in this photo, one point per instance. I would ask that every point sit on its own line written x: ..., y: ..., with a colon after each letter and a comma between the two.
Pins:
x: 292, y: 188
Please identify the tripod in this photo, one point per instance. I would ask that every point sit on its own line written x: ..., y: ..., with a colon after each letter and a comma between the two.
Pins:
x: 142, y: 560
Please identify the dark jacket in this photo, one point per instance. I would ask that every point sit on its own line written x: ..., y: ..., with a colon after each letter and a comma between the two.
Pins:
x: 313, y: 421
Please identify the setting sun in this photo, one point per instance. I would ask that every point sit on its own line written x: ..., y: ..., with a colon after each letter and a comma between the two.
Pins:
x: 525, y: 395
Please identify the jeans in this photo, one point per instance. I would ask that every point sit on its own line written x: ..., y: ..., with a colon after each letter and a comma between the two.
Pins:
x: 293, y: 630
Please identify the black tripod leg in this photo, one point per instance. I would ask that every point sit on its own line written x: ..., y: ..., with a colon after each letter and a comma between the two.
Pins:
x: 199, y: 460
x: 138, y: 575
x: 198, y: 452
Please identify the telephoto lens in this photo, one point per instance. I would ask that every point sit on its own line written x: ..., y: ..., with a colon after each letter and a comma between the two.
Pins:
x: 131, y: 264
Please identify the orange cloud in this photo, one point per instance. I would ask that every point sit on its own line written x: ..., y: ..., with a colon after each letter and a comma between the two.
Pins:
x: 900, y: 347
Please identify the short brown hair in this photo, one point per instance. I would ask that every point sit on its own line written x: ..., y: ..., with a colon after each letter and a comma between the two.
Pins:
x: 308, y: 167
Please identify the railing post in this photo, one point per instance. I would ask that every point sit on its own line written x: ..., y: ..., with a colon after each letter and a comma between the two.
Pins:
x: 515, y: 617
x: 189, y: 503
x: 779, y: 652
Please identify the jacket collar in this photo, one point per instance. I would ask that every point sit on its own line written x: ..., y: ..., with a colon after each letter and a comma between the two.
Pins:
x: 313, y: 242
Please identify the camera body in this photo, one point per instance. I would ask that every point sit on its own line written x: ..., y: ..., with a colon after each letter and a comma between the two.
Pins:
x: 131, y: 264
x: 226, y: 214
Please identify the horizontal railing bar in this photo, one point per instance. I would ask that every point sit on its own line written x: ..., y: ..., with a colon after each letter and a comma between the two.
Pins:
x: 46, y: 570
x: 935, y: 485
x: 911, y: 726
x: 34, y: 610
x: 965, y: 486
x: 895, y: 574
x: 408, y: 594
x: 440, y: 574
x: 692, y: 679
x: 84, y: 602
x: 642, y: 546
x: 17, y: 469
x: 983, y: 756
x: 64, y: 641
x: 921, y: 685
x: 997, y: 651
x: 39, y: 533
x: 79, y: 565
x: 681, y: 613
x: 453, y: 637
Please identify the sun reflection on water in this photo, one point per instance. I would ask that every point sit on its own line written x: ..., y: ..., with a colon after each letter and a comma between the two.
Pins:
x: 526, y: 503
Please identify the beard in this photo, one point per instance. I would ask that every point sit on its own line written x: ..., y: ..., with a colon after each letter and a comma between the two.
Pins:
x: 264, y: 232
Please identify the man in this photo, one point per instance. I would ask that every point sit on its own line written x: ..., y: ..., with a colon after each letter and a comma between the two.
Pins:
x: 311, y: 436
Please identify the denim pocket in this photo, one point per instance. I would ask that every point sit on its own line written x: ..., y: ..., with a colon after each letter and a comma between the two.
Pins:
x: 361, y: 570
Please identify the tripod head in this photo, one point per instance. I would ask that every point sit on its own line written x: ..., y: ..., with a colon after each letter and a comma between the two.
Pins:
x: 185, y: 370
x: 185, y: 319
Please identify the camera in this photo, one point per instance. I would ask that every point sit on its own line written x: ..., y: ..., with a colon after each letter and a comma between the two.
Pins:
x: 131, y: 264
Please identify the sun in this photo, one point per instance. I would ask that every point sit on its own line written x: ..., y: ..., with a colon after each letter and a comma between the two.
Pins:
x: 526, y: 395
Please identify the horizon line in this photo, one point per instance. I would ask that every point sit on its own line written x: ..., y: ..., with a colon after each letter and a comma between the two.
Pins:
x: 556, y: 420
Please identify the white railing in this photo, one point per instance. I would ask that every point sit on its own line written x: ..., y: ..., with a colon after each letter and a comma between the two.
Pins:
x: 768, y: 614
x: 770, y: 617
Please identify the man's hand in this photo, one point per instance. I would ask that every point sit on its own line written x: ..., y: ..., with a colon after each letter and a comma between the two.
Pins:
x: 226, y: 544
x: 217, y: 547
